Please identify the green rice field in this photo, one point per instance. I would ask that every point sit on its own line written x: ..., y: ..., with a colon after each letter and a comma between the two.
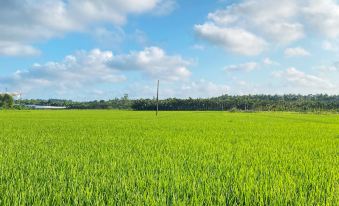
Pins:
x: 177, y: 158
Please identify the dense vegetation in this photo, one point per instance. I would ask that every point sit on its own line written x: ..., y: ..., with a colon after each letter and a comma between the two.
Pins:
x: 117, y: 103
x: 6, y: 101
x: 226, y: 102
x: 179, y: 158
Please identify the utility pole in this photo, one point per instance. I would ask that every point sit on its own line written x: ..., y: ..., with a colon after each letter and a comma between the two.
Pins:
x: 157, y: 99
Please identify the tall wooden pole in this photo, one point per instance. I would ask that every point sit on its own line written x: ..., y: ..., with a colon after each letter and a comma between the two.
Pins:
x: 157, y: 99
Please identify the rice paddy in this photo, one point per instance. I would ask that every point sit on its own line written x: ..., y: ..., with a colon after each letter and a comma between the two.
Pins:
x: 177, y: 158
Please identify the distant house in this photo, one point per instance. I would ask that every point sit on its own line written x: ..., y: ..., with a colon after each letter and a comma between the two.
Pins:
x: 44, y: 107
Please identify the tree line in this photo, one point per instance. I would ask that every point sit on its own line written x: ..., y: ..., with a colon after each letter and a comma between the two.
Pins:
x: 300, y: 103
x: 245, y: 103
x: 117, y: 103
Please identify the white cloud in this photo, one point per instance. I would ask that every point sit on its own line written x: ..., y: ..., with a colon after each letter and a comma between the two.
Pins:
x: 275, y: 22
x: 268, y: 61
x: 154, y: 62
x: 73, y: 73
x: 88, y: 70
x: 232, y: 39
x: 165, y: 7
x: 14, y: 49
x: 250, y: 66
x: 26, y: 22
x: 256, y: 20
x: 203, y: 88
x: 88, y: 11
x: 223, y: 17
x: 330, y: 46
x: 109, y: 37
x: 302, y: 80
x: 332, y: 68
x: 323, y: 16
x: 295, y: 52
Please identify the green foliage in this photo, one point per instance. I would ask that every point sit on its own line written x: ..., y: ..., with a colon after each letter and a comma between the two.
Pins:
x: 124, y: 103
x: 178, y: 158
x: 6, y: 101
x: 298, y: 103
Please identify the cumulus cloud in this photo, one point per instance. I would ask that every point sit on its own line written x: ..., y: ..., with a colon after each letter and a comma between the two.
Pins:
x: 302, y: 80
x: 295, y: 52
x: 250, y: 66
x: 91, y: 69
x: 274, y: 22
x: 154, y: 62
x: 26, y: 22
x: 245, y: 28
x: 74, y: 72
x: 270, y: 19
x: 233, y: 39
x: 323, y: 16
x: 88, y: 11
x: 15, y: 49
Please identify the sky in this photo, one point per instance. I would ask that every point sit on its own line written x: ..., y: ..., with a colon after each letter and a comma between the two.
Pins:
x: 102, y: 49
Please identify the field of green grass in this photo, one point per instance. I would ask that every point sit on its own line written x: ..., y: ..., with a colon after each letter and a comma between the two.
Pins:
x: 177, y: 158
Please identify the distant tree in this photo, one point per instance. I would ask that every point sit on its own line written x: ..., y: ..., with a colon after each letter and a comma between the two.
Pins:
x: 6, y: 101
x: 125, y: 97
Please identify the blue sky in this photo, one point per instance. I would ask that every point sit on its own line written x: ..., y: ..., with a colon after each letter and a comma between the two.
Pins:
x: 84, y: 50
